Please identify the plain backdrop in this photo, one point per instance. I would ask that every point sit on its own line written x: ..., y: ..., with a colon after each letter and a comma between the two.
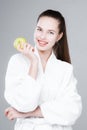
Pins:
x: 18, y: 18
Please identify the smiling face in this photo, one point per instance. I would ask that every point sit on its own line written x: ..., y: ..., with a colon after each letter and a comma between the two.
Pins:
x: 46, y: 33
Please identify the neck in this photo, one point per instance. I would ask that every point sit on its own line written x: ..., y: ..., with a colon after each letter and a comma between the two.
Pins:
x: 44, y: 56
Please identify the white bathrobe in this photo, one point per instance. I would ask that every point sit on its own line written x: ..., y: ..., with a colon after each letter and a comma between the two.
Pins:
x: 54, y: 91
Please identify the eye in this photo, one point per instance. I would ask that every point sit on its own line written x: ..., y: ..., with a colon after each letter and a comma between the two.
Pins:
x: 39, y: 29
x: 51, y: 32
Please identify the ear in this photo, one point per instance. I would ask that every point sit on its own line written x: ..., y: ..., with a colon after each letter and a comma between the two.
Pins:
x: 60, y: 36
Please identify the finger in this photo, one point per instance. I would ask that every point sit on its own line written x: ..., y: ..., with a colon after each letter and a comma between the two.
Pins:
x: 19, y: 48
x: 6, y: 113
x: 30, y: 48
x: 6, y: 110
x: 10, y: 115
x: 25, y: 47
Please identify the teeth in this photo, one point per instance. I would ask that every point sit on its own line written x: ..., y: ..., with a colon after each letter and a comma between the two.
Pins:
x: 42, y: 42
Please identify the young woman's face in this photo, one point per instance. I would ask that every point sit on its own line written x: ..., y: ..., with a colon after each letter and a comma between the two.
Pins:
x: 46, y: 33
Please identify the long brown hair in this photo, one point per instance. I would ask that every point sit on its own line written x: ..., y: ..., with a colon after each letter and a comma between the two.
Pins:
x: 60, y: 48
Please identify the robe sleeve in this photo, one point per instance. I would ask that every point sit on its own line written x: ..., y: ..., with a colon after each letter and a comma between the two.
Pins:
x: 67, y: 106
x: 21, y: 90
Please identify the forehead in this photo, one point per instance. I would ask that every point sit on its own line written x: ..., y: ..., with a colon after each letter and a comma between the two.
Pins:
x: 48, y: 22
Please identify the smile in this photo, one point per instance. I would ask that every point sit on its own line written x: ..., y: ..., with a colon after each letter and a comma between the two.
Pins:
x: 42, y: 43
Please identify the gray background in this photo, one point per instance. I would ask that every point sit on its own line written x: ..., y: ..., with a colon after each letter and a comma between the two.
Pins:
x: 18, y: 18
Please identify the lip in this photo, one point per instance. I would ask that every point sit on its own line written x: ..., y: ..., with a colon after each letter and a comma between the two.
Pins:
x: 42, y: 43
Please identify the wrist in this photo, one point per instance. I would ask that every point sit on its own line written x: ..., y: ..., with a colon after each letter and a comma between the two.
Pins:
x: 34, y: 62
x: 33, y: 69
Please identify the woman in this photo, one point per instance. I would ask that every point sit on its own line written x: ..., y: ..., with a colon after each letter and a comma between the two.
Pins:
x: 40, y: 85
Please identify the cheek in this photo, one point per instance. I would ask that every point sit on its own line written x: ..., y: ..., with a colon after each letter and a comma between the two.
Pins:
x: 53, y: 40
x: 36, y: 35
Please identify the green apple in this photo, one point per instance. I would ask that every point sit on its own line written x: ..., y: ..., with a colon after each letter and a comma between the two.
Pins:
x: 19, y: 41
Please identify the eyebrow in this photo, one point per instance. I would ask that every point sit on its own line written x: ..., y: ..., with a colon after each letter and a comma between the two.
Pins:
x: 48, y: 30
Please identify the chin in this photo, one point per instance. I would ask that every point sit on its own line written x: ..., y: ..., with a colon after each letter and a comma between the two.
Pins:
x: 41, y: 48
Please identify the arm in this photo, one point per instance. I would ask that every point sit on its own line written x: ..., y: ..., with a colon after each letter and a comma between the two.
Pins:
x: 12, y: 113
x: 21, y: 87
x: 28, y: 51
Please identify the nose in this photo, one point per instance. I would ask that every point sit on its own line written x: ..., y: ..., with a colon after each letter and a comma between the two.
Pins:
x: 43, y: 35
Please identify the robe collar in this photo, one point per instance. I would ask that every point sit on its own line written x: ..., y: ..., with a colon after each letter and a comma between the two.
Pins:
x: 51, y: 58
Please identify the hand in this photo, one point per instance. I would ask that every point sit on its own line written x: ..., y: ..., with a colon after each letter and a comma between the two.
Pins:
x: 28, y: 51
x: 12, y: 113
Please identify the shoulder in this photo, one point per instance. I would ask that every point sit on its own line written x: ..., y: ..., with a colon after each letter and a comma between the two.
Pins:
x: 18, y: 62
x: 66, y: 71
x: 64, y: 67
x: 17, y: 58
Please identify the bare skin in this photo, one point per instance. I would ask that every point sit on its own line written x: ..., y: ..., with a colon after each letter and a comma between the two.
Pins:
x: 12, y: 113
